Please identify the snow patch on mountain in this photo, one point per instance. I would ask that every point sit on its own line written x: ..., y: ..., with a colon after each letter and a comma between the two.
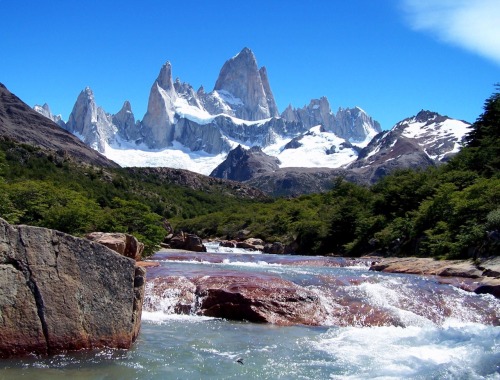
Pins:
x: 431, y: 133
x: 317, y: 149
x: 177, y: 156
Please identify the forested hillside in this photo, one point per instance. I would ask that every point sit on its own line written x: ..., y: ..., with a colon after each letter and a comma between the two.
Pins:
x: 44, y: 189
x: 449, y: 212
x: 452, y: 211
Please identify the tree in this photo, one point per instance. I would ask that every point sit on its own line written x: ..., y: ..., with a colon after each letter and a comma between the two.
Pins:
x: 482, y: 152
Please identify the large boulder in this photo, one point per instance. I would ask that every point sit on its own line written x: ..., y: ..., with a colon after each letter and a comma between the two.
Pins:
x: 236, y: 296
x: 275, y: 248
x: 59, y: 293
x: 185, y: 241
x: 125, y: 244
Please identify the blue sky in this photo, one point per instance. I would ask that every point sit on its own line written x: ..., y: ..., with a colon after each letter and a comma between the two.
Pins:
x: 390, y: 57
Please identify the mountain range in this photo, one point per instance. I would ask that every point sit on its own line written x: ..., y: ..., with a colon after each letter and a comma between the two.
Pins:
x: 20, y: 123
x: 236, y: 132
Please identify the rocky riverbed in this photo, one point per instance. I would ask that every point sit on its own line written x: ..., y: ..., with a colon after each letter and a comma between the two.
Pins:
x: 482, y: 276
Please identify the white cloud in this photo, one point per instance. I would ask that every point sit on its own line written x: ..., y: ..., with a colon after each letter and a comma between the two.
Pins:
x: 471, y: 24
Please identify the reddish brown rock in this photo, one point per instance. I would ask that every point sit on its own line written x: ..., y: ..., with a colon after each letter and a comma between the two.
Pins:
x: 236, y: 296
x: 428, y: 266
x: 125, y: 244
x: 258, y: 299
x: 227, y: 243
x: 480, y: 278
x: 275, y: 248
x: 60, y: 293
x: 251, y: 243
x: 188, y: 242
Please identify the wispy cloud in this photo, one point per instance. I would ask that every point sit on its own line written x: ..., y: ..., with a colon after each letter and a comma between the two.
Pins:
x: 471, y: 24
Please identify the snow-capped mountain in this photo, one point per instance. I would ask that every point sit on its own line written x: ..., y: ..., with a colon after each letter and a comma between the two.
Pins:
x: 236, y: 132
x: 423, y: 140
x: 315, y: 148
x: 195, y: 130
x: 419, y: 141
x: 351, y: 124
x: 90, y: 122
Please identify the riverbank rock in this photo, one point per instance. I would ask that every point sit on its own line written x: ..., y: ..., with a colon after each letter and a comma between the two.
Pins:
x: 228, y: 243
x: 59, y: 293
x: 483, y: 277
x: 125, y: 244
x: 275, y: 248
x: 251, y: 243
x: 428, y: 266
x: 236, y: 296
x: 185, y: 241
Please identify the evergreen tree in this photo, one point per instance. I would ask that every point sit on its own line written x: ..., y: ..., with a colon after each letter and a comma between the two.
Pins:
x: 483, y: 142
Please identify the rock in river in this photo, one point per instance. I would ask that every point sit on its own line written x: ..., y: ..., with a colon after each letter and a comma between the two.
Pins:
x: 232, y: 295
x: 59, y: 292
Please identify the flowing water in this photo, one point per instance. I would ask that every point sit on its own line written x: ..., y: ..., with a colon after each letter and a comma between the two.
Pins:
x: 379, y: 326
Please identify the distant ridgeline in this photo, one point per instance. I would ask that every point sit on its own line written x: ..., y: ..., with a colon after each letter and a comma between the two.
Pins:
x: 198, y: 131
x: 446, y: 211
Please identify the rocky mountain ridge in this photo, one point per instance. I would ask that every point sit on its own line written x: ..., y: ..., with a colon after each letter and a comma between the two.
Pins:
x: 20, y: 123
x: 241, y: 109
x: 423, y: 140
x: 426, y: 139
x: 236, y: 132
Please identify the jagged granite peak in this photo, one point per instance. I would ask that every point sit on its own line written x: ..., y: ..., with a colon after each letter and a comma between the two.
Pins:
x: 352, y: 124
x: 125, y: 122
x: 355, y: 125
x: 289, y: 114
x: 90, y: 122
x: 426, y: 116
x: 317, y: 112
x: 19, y: 122
x: 157, y: 126
x: 243, y: 164
x: 271, y: 102
x: 240, y: 84
x: 186, y: 91
x: 45, y: 111
x: 164, y: 79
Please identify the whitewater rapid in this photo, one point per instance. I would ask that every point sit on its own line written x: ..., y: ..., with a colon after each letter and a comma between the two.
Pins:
x: 429, y: 330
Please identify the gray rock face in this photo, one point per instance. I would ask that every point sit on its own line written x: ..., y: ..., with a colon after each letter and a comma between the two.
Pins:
x: 124, y: 121
x: 318, y: 112
x: 242, y: 165
x: 45, y: 111
x: 59, y: 293
x: 157, y: 127
x: 90, y: 122
x: 355, y: 125
x: 207, y: 137
x: 186, y: 91
x: 351, y: 124
x: 19, y: 122
x: 273, y: 108
x: 241, y: 85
